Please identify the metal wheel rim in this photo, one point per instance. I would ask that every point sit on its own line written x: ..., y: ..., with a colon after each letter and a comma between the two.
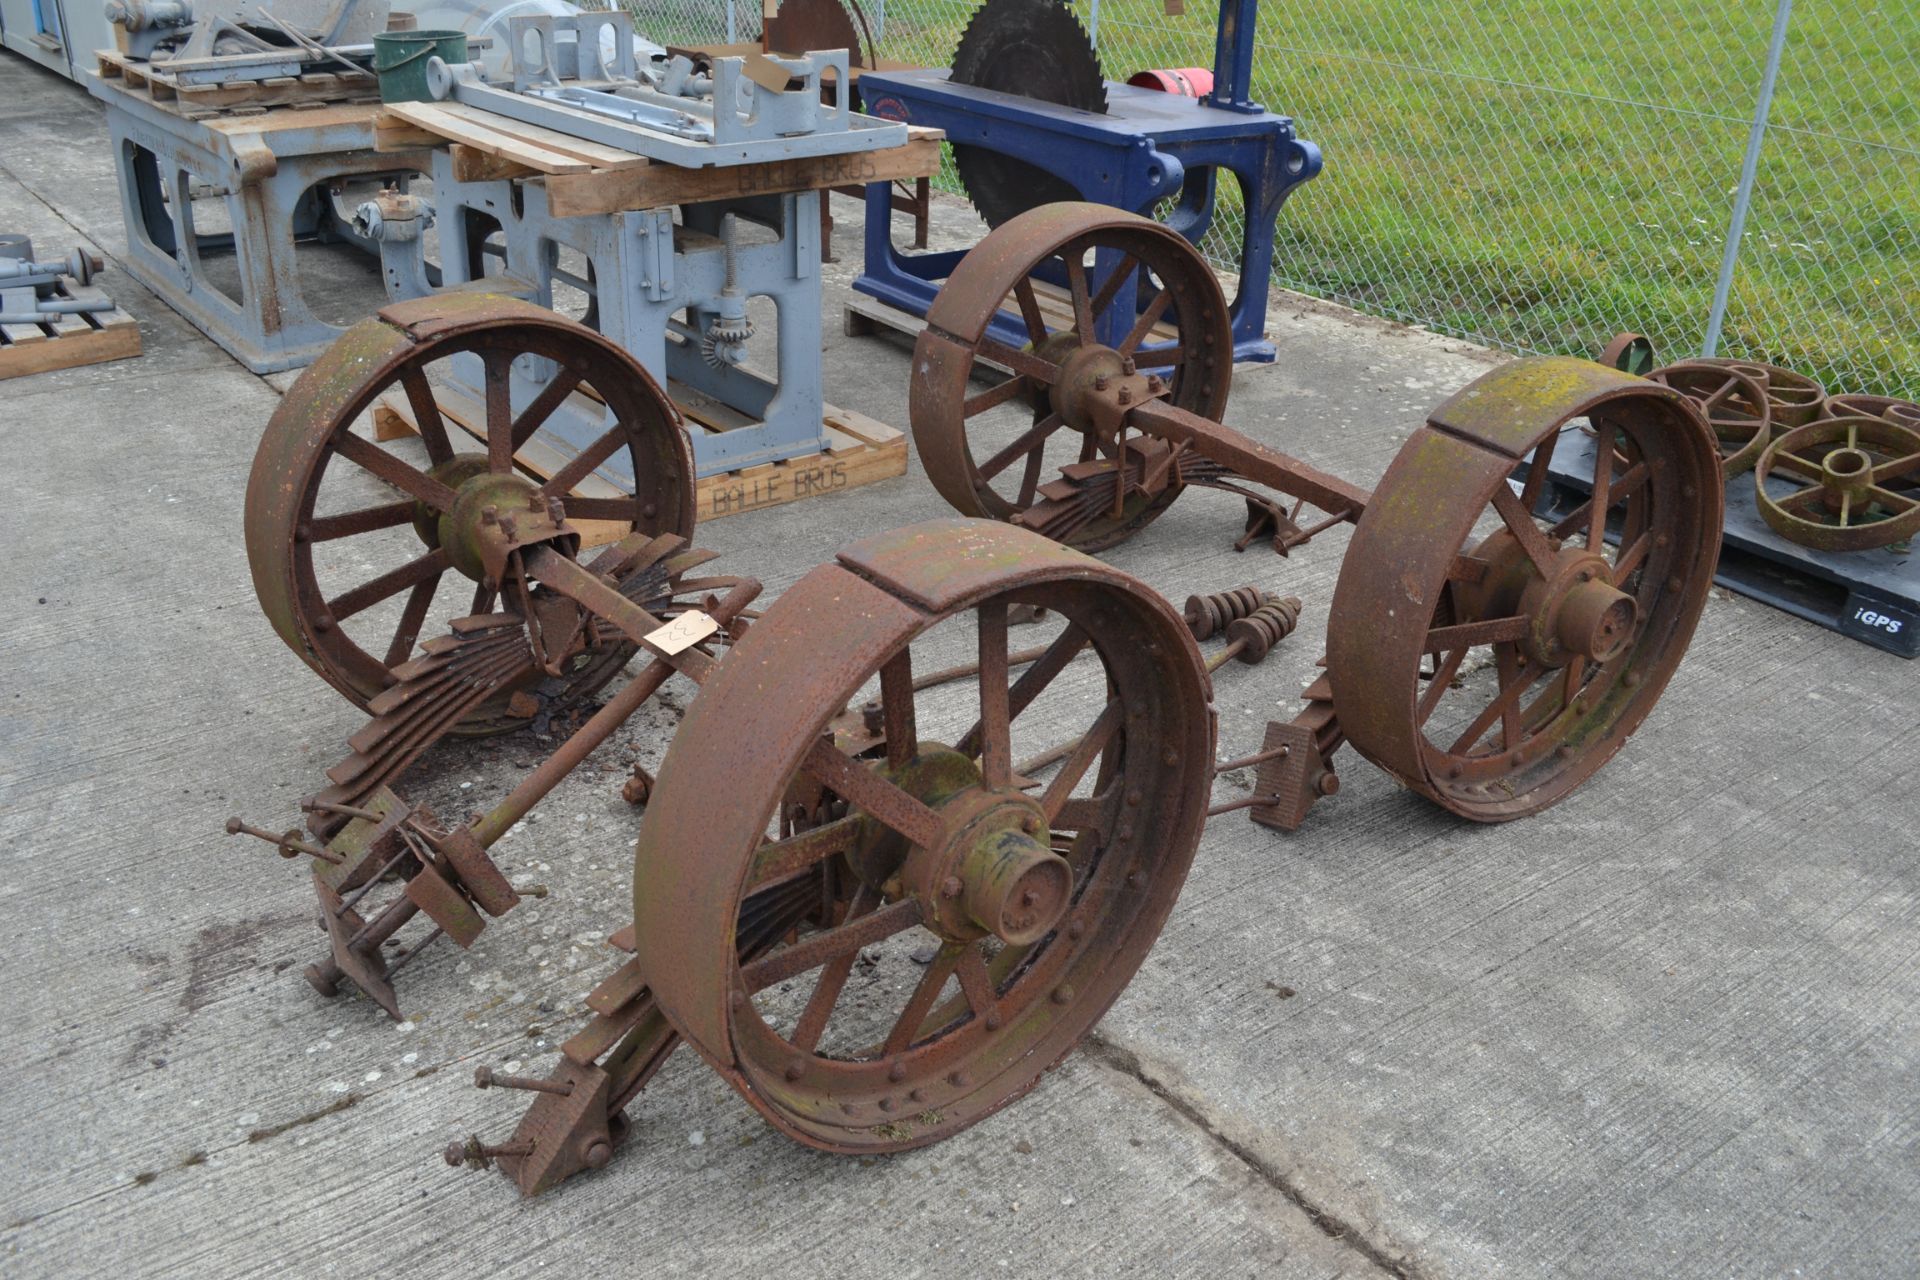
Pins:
x: 689, y: 892
x: 1404, y: 579
x: 957, y: 338
x: 369, y: 360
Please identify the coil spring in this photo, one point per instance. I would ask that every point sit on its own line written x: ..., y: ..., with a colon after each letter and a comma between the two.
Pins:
x: 1264, y: 628
x: 1208, y: 615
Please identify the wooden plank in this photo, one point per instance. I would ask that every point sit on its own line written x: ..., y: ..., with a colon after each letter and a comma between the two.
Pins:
x: 594, y: 153
x: 471, y: 164
x: 436, y: 118
x: 653, y: 186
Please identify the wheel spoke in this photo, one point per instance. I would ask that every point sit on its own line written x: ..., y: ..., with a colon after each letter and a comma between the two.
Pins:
x: 826, y: 992
x: 1623, y: 486
x: 391, y: 583
x: 1018, y: 361
x: 499, y: 398
x: 1602, y: 479
x: 1115, y: 281
x: 778, y: 859
x: 1030, y: 477
x: 370, y: 457
x: 1802, y: 500
x: 1082, y: 304
x: 975, y: 982
x: 907, y: 1027
x: 996, y: 752
x: 483, y: 598
x: 1084, y: 753
x: 816, y: 949
x: 1030, y: 311
x: 1502, y: 707
x: 411, y: 619
x: 1794, y: 464
x: 1543, y: 461
x: 366, y: 520
x: 896, y: 703
x: 550, y: 398
x: 1027, y: 441
x: 1903, y: 466
x: 621, y: 509
x: 1631, y: 558
x: 1486, y: 631
x: 995, y: 395
x: 1437, y: 687
x: 1065, y: 647
x: 584, y: 463
x: 867, y: 791
x: 1895, y: 503
x: 1519, y: 521
x: 1149, y: 317
x: 426, y: 414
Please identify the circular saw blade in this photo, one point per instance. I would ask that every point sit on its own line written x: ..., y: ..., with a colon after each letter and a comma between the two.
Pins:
x: 804, y: 26
x: 1032, y: 49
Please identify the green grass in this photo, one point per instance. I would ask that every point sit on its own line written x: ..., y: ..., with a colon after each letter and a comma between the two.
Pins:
x: 1539, y: 174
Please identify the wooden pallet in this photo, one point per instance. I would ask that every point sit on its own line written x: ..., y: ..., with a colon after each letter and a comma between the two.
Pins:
x: 303, y: 92
x: 860, y: 451
x: 865, y: 316
x: 584, y: 178
x: 68, y: 341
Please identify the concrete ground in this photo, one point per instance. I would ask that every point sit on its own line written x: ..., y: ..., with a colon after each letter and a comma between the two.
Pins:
x: 1670, y: 1027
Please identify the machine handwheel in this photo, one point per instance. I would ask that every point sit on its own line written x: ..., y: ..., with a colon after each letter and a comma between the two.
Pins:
x: 345, y: 534
x: 1795, y: 397
x: 989, y: 447
x: 1494, y: 660
x: 975, y: 923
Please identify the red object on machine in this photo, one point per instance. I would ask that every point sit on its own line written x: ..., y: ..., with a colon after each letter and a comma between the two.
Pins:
x: 1188, y: 82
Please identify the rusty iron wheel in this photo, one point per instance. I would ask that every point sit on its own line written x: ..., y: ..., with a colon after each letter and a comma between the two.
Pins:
x: 1795, y: 398
x: 1849, y: 469
x: 1448, y: 562
x: 1031, y: 903
x: 1901, y: 413
x: 387, y: 539
x: 1735, y: 406
x: 967, y: 438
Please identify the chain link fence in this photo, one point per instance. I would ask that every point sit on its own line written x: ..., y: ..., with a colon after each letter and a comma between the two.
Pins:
x: 1540, y: 174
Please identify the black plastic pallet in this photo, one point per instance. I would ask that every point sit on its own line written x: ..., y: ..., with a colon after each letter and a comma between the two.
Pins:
x: 1872, y: 596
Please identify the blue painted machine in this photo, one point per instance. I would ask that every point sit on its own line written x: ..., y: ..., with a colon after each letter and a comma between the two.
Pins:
x: 1145, y: 147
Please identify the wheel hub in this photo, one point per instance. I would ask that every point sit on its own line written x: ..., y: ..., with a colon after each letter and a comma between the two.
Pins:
x: 991, y: 872
x: 493, y: 515
x: 453, y: 473
x: 1845, y: 474
x: 1578, y: 612
x: 1089, y: 374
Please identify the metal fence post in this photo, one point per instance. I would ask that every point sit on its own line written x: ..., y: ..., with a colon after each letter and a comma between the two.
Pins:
x: 1093, y: 25
x: 732, y: 24
x: 1749, y: 166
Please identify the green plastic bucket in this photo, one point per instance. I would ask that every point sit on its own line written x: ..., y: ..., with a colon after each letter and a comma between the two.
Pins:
x: 400, y: 59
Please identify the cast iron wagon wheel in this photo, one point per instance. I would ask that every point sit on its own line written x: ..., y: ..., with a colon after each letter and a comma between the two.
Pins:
x: 997, y: 475
x: 1735, y: 405
x: 1851, y: 469
x: 391, y: 534
x: 1033, y: 904
x: 1583, y: 635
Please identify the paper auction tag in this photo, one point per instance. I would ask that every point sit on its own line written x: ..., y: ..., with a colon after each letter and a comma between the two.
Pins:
x: 683, y: 632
